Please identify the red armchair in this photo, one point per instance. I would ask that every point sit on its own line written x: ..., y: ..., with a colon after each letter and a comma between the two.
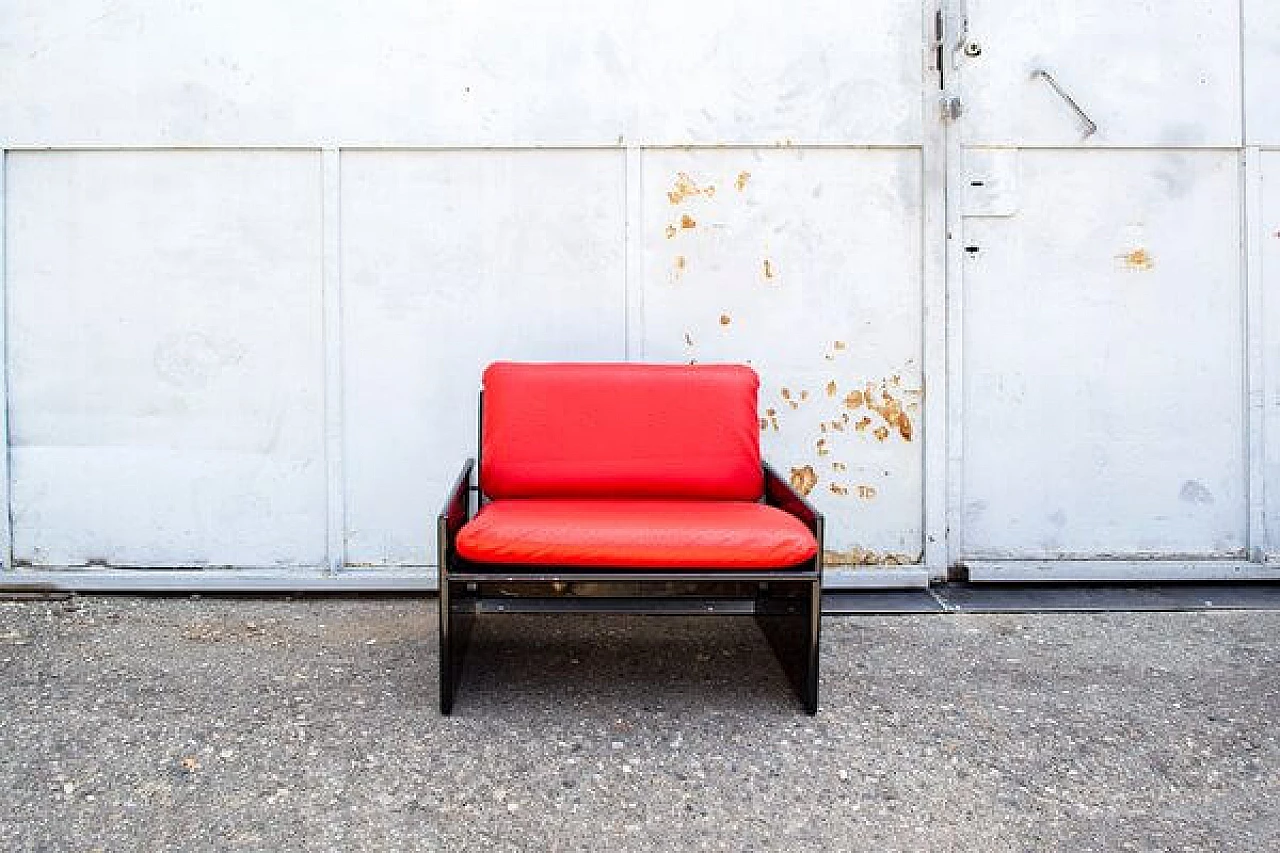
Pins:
x: 601, y: 484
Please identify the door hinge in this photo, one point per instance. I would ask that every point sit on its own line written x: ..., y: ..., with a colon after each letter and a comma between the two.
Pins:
x: 936, y: 49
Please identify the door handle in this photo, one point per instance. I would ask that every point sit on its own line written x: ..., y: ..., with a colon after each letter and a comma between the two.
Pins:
x: 1048, y: 78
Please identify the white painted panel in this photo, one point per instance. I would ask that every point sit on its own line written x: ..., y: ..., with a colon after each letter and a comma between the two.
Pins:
x: 451, y: 260
x: 806, y: 263
x: 300, y: 71
x: 165, y: 357
x: 805, y: 70
x: 487, y: 72
x: 1164, y: 74
x: 1262, y: 71
x: 1267, y: 233
x: 1103, y: 386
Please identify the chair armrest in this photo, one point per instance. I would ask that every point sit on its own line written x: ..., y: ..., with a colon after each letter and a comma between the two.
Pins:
x: 778, y: 493
x: 455, y: 513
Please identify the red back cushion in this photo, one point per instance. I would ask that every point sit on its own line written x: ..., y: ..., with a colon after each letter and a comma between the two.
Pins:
x: 620, y: 430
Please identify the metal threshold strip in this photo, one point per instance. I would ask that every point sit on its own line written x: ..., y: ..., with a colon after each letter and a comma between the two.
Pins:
x: 1054, y: 598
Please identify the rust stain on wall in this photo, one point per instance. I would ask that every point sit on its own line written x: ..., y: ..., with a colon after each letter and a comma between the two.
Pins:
x: 857, y: 556
x: 768, y: 269
x: 671, y: 231
x: 804, y: 479
x: 837, y: 489
x: 1139, y: 260
x: 862, y: 424
x: 681, y: 263
x: 867, y: 492
x: 853, y: 399
x: 823, y: 450
x: 741, y: 181
x: 880, y: 433
x: 831, y: 388
x: 725, y: 319
x: 687, y: 221
x: 839, y: 466
x: 889, y: 408
x: 686, y: 187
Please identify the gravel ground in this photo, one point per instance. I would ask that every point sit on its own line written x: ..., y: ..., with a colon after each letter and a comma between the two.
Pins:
x: 276, y: 725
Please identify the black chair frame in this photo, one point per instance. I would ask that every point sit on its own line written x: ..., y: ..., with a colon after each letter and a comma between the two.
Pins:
x: 786, y: 602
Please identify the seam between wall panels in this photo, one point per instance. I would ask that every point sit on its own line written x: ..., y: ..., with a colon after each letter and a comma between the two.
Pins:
x: 335, y: 491
x: 6, y: 467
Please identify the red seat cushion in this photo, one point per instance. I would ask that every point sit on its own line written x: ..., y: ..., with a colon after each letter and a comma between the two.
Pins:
x: 636, y: 533
x: 620, y: 430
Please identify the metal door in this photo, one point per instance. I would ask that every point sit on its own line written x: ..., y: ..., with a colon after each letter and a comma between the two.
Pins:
x: 1103, y: 358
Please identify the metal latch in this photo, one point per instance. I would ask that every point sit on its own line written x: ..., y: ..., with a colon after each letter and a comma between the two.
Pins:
x: 951, y: 32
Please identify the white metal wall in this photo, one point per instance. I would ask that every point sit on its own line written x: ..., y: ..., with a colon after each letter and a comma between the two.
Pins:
x: 256, y: 254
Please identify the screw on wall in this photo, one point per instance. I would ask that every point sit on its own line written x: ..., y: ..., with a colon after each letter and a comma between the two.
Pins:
x: 972, y: 49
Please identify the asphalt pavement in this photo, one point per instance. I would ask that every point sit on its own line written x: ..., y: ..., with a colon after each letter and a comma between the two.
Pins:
x: 311, y: 724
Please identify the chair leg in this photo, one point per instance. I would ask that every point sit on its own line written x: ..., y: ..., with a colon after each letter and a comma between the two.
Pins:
x: 790, y: 616
x: 446, y: 650
x: 455, y: 637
